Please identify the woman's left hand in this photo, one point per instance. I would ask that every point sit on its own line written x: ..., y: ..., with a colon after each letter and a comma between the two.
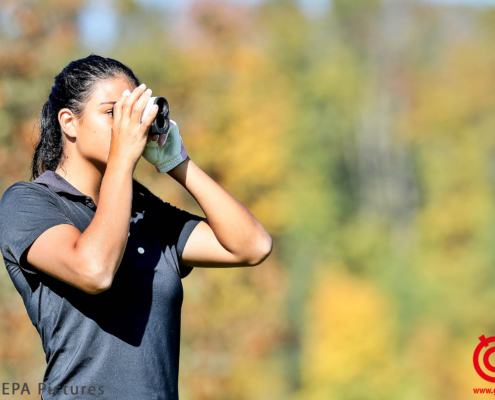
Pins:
x: 166, y: 156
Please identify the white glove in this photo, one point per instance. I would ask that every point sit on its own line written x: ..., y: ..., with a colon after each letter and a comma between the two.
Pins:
x: 168, y: 155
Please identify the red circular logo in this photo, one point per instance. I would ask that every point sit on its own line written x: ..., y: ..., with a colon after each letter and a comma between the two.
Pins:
x: 484, y: 342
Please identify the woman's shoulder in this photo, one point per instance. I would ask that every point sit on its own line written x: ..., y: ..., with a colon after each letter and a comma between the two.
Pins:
x: 22, y: 193
x: 21, y: 188
x: 144, y: 196
x: 142, y: 193
x: 140, y: 189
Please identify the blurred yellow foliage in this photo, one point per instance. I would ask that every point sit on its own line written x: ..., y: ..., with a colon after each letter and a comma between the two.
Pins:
x: 349, y: 331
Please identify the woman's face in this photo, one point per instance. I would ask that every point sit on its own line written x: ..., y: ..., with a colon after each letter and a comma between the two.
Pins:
x: 94, y: 128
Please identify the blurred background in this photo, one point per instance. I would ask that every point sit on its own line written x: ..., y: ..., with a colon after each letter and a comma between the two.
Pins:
x: 359, y: 133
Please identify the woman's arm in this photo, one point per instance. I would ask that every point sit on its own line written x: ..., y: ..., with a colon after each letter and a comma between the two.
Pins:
x: 232, y: 236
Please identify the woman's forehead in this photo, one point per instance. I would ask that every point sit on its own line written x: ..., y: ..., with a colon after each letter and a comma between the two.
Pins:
x: 110, y: 90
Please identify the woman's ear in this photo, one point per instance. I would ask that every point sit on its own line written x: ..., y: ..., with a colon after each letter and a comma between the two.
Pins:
x: 67, y: 121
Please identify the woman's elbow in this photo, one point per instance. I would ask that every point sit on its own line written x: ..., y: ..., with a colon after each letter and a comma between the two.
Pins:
x: 96, y: 281
x: 261, y: 253
x: 97, y: 287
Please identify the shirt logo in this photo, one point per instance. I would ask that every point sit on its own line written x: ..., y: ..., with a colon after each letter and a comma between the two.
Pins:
x: 138, y: 217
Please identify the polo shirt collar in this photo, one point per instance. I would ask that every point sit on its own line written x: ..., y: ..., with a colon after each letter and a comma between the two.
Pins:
x: 58, y: 184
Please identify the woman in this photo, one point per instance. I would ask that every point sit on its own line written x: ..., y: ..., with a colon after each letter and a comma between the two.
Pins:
x: 97, y: 258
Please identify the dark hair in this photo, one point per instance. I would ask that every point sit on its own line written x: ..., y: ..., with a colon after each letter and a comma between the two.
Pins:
x: 72, y: 89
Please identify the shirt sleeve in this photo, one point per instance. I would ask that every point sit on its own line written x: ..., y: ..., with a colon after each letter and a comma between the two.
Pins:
x: 26, y: 211
x: 177, y: 225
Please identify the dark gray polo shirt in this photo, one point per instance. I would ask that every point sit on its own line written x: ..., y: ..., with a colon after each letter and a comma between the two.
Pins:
x: 123, y: 342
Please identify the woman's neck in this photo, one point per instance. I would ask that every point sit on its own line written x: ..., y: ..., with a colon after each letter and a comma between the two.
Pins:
x: 84, y: 176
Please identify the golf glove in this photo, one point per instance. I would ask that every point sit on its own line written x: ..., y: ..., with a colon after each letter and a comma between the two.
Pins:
x: 170, y: 154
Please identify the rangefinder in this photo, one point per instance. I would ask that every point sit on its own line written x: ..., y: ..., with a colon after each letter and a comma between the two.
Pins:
x: 161, y: 123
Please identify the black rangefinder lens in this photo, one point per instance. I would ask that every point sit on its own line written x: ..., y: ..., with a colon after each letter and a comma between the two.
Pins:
x: 161, y: 123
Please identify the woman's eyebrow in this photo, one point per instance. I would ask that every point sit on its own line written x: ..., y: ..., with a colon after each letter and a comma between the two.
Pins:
x: 108, y: 102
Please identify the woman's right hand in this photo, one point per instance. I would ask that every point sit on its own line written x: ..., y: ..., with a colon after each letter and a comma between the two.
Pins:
x: 129, y: 134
